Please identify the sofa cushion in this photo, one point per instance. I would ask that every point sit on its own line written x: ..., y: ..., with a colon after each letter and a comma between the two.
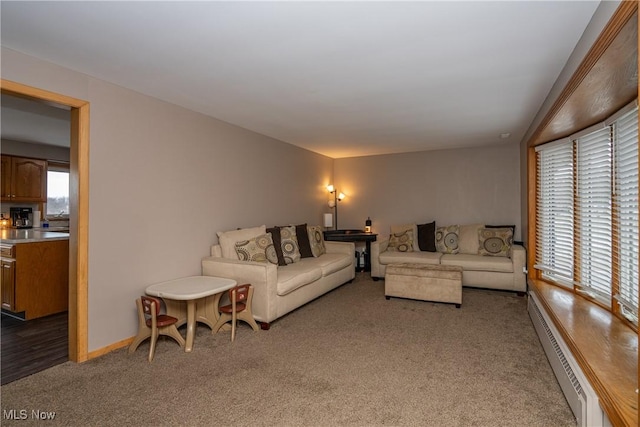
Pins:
x: 427, y: 237
x: 401, y: 242
x: 303, y: 241
x: 228, y: 239
x: 468, y: 238
x: 478, y: 262
x: 289, y: 244
x: 398, y: 229
x: 295, y: 276
x: 259, y: 249
x: 447, y: 239
x: 387, y: 257
x: 330, y: 263
x: 495, y: 241
x: 316, y: 240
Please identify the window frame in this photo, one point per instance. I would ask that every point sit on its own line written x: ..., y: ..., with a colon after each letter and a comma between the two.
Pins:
x: 611, y: 303
x: 56, y: 166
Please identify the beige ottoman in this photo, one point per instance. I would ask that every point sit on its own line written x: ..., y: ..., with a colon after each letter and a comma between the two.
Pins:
x: 439, y: 283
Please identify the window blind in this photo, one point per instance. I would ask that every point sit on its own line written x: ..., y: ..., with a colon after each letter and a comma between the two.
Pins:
x: 554, y: 231
x: 626, y: 210
x: 594, y: 168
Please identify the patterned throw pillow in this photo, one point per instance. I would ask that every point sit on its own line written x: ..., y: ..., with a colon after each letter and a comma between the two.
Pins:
x: 495, y: 241
x: 289, y: 244
x: 316, y: 240
x: 447, y: 239
x: 401, y: 242
x: 259, y: 249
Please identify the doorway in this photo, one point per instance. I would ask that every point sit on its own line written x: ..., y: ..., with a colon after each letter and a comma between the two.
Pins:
x: 79, y: 210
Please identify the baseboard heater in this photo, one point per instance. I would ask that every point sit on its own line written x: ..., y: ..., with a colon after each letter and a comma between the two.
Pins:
x: 576, y: 388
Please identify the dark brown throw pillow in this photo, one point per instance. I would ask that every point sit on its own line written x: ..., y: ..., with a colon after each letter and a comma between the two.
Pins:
x: 303, y: 241
x: 427, y: 237
x: 277, y: 244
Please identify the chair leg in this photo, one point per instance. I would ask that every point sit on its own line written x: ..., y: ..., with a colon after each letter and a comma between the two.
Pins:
x: 172, y: 331
x: 144, y: 331
x: 234, y: 320
x: 152, y: 345
x: 222, y: 320
x: 247, y: 317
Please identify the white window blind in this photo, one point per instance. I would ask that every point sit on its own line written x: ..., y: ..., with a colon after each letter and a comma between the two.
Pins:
x: 554, y: 231
x: 594, y: 154
x: 626, y: 203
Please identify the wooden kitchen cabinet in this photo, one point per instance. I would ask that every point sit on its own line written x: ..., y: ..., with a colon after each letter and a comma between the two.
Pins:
x: 23, y: 179
x: 35, y: 280
x: 8, y: 284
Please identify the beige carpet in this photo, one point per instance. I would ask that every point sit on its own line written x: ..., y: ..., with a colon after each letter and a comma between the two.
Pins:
x: 349, y: 358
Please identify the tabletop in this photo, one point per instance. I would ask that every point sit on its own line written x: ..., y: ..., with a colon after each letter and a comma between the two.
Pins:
x: 189, y: 288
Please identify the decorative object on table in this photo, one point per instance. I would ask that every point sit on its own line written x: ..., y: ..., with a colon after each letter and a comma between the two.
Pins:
x: 367, y: 225
x: 239, y: 308
x: 337, y: 197
x: 151, y: 324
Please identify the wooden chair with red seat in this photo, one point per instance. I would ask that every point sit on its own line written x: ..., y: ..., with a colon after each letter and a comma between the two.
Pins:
x: 151, y: 324
x: 240, y: 299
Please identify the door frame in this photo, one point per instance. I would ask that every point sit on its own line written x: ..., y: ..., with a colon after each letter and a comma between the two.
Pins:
x: 79, y: 209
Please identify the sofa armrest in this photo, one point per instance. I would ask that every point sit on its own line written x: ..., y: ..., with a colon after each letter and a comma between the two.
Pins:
x: 519, y: 259
x: 263, y: 277
x: 332, y: 247
x: 377, y: 248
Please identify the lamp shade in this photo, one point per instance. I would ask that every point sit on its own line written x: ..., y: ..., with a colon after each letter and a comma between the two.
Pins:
x: 328, y: 220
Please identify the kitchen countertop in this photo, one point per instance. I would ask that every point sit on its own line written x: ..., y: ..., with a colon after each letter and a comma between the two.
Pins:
x: 29, y: 235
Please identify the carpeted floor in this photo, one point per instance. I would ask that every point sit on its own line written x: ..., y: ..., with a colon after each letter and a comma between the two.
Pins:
x: 348, y: 358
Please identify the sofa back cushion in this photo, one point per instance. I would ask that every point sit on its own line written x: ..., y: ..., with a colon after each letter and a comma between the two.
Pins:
x: 228, y: 239
x: 468, y: 238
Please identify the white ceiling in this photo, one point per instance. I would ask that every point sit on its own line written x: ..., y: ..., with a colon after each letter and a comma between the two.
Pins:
x: 339, y: 78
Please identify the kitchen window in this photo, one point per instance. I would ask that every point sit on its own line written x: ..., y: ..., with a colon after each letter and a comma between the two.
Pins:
x: 57, y: 190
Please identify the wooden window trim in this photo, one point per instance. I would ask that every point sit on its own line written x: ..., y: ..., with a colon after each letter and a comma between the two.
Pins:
x: 604, y: 345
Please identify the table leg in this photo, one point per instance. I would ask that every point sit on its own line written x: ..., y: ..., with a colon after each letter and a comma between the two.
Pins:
x: 367, y: 256
x: 191, y: 325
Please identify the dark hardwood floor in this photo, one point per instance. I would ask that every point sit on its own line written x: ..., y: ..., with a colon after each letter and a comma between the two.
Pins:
x: 31, y: 346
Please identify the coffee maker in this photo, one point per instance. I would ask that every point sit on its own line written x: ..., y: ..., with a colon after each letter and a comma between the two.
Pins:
x: 21, y: 217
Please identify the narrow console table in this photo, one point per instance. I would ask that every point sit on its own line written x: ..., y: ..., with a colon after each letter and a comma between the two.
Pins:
x: 354, y: 236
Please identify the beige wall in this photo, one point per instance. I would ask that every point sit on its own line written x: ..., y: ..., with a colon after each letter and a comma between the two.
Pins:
x: 599, y: 20
x: 460, y: 186
x: 163, y: 180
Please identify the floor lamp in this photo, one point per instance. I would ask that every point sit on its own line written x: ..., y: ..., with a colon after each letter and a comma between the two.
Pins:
x: 337, y: 196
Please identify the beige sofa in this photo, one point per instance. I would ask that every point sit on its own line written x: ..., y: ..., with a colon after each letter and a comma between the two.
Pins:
x: 279, y: 289
x: 482, y: 271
